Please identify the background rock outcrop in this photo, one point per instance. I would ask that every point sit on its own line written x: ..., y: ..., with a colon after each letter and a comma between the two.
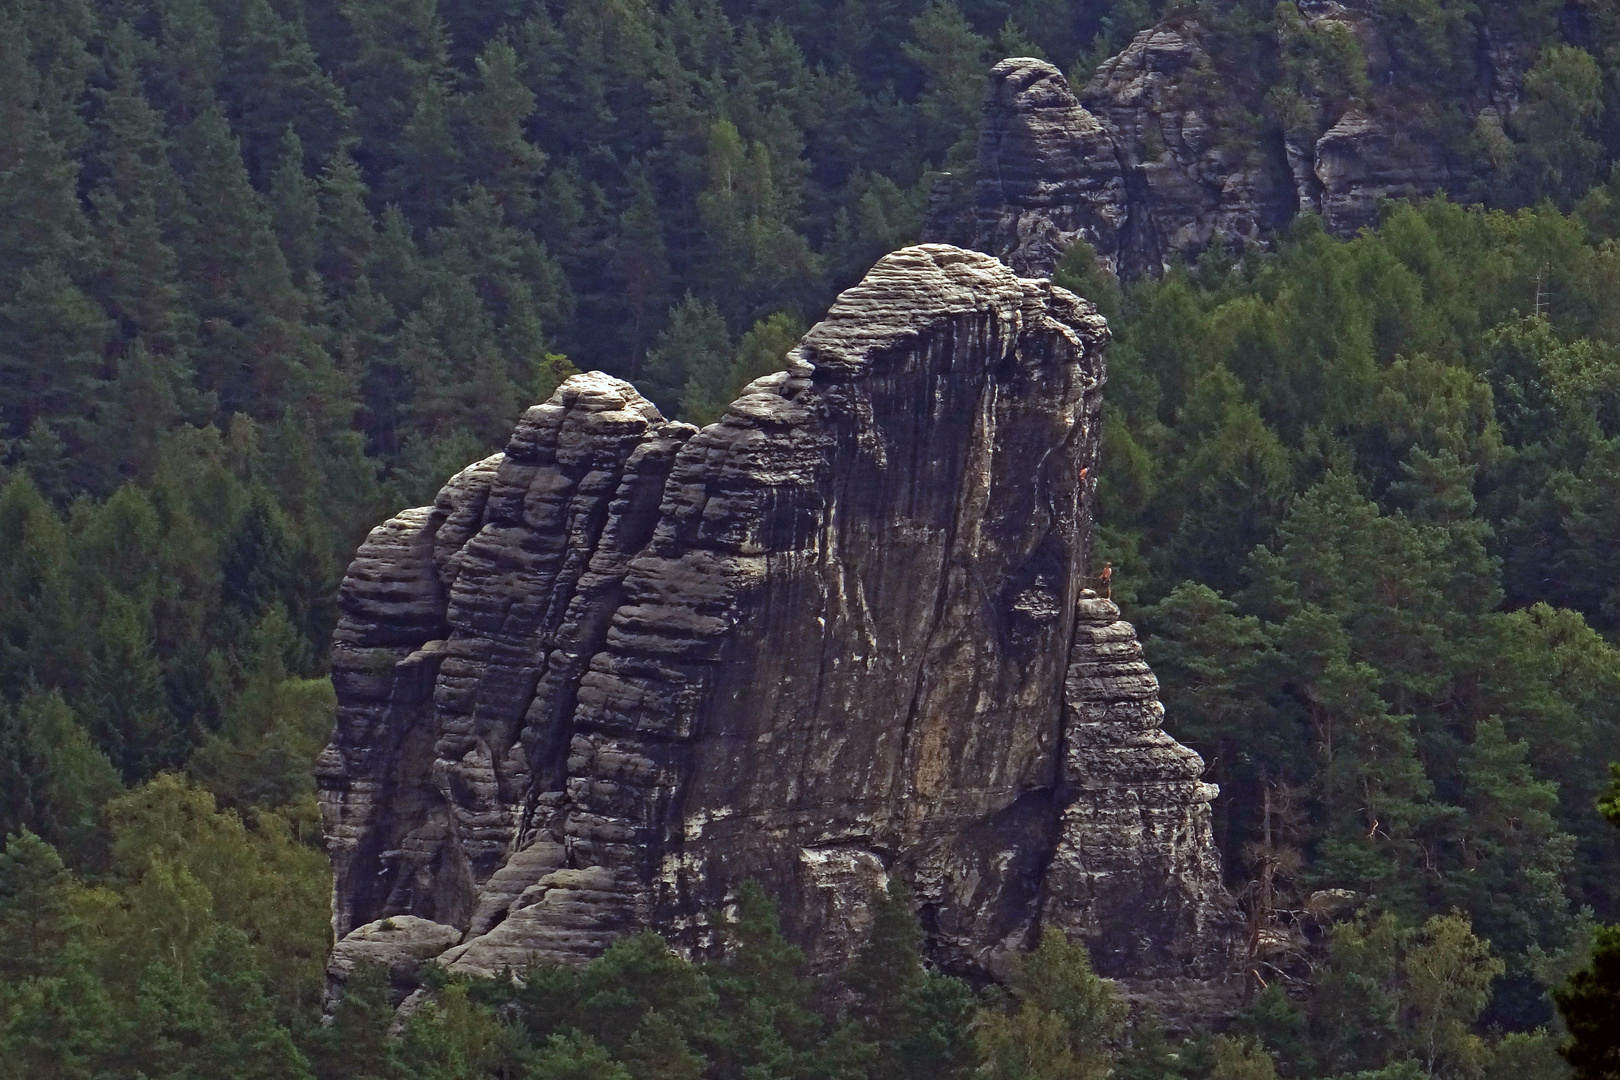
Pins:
x: 626, y: 665
x: 1173, y: 146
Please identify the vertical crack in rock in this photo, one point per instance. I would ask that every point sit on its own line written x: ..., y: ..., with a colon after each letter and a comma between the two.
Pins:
x: 626, y: 665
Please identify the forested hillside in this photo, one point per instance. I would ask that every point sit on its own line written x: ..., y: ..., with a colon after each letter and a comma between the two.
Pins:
x: 272, y: 269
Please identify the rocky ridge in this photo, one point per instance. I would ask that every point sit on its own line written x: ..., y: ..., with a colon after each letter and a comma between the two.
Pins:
x: 626, y: 665
x: 1157, y: 158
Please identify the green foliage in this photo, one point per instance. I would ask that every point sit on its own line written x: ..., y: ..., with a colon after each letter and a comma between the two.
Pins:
x: 1391, y: 994
x: 1590, y: 1004
x: 1558, y: 157
x: 356, y: 1043
x: 199, y: 954
x: 1590, y: 1001
x: 1377, y: 582
x: 688, y: 366
x: 1241, y: 1059
x: 53, y: 778
x: 1065, y: 1022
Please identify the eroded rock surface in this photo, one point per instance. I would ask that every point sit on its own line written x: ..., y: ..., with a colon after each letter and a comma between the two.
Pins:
x: 627, y: 665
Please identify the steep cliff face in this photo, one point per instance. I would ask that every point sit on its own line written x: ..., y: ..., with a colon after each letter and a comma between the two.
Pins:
x: 1171, y: 147
x: 626, y: 665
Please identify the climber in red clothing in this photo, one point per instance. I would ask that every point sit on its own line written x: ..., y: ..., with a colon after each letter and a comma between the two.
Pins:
x: 1106, y: 579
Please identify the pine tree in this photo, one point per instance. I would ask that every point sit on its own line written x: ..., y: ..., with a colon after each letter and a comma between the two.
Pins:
x: 638, y: 977
x: 575, y: 1056
x: 764, y: 1020
x: 890, y: 984
x: 1241, y: 1059
x: 763, y: 350
x: 1590, y: 1001
x: 953, y: 60
x: 657, y: 1050
x: 1514, y: 855
x: 1355, y: 1004
x: 1067, y: 1021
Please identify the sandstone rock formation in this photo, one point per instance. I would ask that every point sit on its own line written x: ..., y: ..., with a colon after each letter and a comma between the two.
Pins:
x: 626, y: 665
x: 1048, y: 172
x: 1162, y: 153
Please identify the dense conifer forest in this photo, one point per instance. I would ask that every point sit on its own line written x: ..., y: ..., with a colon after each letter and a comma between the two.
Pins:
x: 272, y: 269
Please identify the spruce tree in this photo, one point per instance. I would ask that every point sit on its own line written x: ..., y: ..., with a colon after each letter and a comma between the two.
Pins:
x: 123, y: 702
x: 56, y: 37
x: 139, y: 210
x: 688, y: 368
x: 41, y: 219
x: 37, y: 620
x: 51, y: 340
x: 37, y: 917
x: 255, y: 349
x: 641, y: 265
x: 397, y: 48
x: 188, y: 62
x: 345, y: 229
x: 888, y: 979
x: 271, y: 82
x: 146, y: 399
x: 503, y: 159
x: 429, y: 173
x: 53, y: 779
x: 356, y: 1045
x: 294, y: 208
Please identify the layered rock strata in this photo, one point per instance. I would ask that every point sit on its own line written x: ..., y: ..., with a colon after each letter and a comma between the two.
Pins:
x: 1135, y: 814
x: 626, y: 665
x: 1161, y: 155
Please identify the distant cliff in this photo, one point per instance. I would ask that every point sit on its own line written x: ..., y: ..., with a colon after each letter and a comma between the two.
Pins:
x: 1175, y: 145
x: 840, y: 635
